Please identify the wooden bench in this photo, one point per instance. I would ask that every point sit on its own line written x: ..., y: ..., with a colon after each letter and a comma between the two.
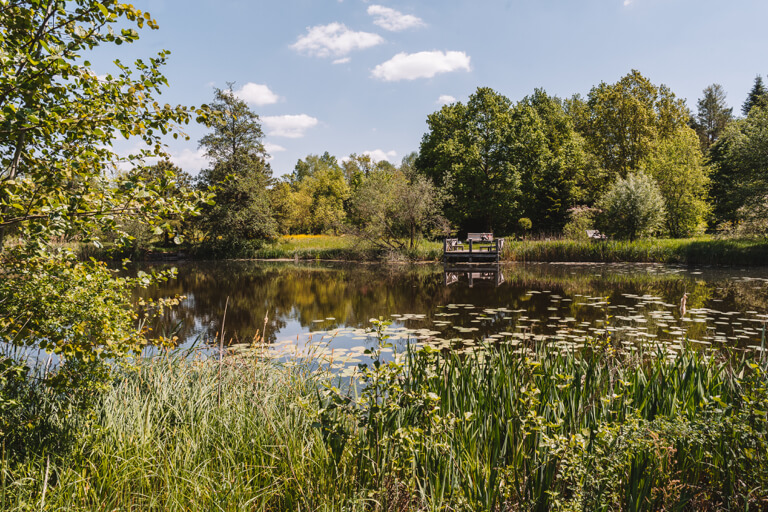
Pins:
x: 594, y: 234
x: 480, y: 237
x: 453, y: 244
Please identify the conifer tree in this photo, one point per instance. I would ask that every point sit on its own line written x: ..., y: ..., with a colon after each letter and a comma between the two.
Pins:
x: 758, y: 95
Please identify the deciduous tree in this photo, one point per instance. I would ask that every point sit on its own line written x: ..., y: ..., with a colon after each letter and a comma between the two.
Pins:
x: 626, y: 119
x: 59, y: 176
x: 239, y: 173
x: 467, y: 152
x: 632, y: 208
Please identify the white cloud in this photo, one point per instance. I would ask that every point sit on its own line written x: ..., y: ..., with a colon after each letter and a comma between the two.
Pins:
x: 445, y: 99
x: 342, y: 61
x: 627, y: 2
x: 377, y: 155
x: 334, y: 39
x: 189, y: 160
x: 257, y: 94
x: 390, y: 19
x: 273, y: 148
x: 410, y: 66
x: 290, y: 126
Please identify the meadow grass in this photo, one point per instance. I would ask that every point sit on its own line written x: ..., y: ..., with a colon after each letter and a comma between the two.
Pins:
x: 502, y: 428
x: 690, y: 251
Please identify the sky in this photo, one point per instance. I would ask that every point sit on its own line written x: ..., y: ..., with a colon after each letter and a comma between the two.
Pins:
x: 356, y: 76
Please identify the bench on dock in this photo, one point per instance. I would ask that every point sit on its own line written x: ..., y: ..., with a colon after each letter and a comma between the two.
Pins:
x: 453, y: 244
x: 479, y: 247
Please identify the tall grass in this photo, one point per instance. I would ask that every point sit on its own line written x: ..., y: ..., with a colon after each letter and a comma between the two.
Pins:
x: 691, y: 251
x: 504, y: 428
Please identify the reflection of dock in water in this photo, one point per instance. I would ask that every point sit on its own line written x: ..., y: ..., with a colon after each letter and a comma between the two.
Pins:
x: 473, y: 274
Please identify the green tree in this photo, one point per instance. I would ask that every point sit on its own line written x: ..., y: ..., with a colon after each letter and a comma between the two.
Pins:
x: 58, y: 178
x: 240, y: 175
x: 676, y: 164
x: 626, y: 119
x: 319, y: 193
x: 392, y: 211
x: 713, y: 115
x: 174, y: 184
x: 632, y: 208
x: 758, y: 96
x: 549, y: 155
x: 741, y: 161
x: 467, y: 153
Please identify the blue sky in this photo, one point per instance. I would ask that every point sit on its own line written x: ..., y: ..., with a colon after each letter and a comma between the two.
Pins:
x: 357, y: 76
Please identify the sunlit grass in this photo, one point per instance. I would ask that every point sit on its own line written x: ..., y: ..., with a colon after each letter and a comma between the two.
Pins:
x: 527, y: 427
x: 692, y: 251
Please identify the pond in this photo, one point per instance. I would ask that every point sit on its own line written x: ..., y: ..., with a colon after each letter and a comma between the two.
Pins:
x: 331, y: 304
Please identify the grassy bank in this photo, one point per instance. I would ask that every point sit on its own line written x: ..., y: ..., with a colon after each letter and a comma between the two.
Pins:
x: 687, y: 251
x: 341, y: 248
x: 690, y: 251
x: 540, y: 429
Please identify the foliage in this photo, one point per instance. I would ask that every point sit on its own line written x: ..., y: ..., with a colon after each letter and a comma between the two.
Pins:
x: 740, y: 159
x: 580, y: 219
x: 713, y: 115
x: 59, y: 120
x: 174, y: 184
x: 632, y: 208
x: 626, y: 119
x: 239, y: 175
x: 675, y: 163
x: 468, y: 153
x: 550, y: 156
x: 59, y: 180
x: 524, y: 225
x: 393, y: 212
x: 318, y: 193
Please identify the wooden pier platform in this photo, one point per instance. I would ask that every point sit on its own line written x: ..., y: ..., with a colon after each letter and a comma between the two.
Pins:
x: 475, y: 250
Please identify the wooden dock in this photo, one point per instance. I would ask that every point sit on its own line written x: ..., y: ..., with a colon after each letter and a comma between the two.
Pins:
x: 472, y: 251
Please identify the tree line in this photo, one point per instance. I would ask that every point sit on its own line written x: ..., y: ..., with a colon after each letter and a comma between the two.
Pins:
x: 630, y: 159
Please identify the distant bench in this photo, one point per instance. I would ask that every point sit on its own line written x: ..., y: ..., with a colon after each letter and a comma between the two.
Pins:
x: 594, y: 234
x: 480, y: 237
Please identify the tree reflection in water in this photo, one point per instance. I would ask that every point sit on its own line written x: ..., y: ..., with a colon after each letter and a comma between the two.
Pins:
x: 546, y: 298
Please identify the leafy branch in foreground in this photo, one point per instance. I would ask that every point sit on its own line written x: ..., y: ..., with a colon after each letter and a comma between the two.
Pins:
x: 61, y: 180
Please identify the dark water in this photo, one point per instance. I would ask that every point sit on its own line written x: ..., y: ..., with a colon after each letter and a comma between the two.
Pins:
x: 562, y: 303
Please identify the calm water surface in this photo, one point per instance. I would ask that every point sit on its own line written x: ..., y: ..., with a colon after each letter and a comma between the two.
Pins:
x: 332, y: 304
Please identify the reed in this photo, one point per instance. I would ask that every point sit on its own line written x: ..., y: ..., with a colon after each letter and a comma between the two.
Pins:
x: 691, y: 251
x: 504, y: 428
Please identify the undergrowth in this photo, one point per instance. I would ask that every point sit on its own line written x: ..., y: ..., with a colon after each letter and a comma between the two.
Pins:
x: 505, y: 428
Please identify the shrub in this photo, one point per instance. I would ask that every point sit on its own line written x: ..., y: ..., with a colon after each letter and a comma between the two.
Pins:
x: 580, y: 219
x: 632, y: 208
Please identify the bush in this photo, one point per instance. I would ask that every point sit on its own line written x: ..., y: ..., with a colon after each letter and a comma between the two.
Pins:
x: 580, y: 219
x: 632, y: 208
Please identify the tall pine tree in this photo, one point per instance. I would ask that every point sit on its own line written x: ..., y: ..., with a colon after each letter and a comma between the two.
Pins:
x: 757, y: 96
x: 713, y: 115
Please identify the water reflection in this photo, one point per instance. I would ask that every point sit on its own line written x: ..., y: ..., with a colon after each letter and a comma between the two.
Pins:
x: 473, y: 274
x: 565, y: 302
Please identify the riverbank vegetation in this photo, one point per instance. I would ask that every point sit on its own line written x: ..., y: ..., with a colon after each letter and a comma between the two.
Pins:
x: 513, y: 427
x: 80, y: 429
x: 543, y: 167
